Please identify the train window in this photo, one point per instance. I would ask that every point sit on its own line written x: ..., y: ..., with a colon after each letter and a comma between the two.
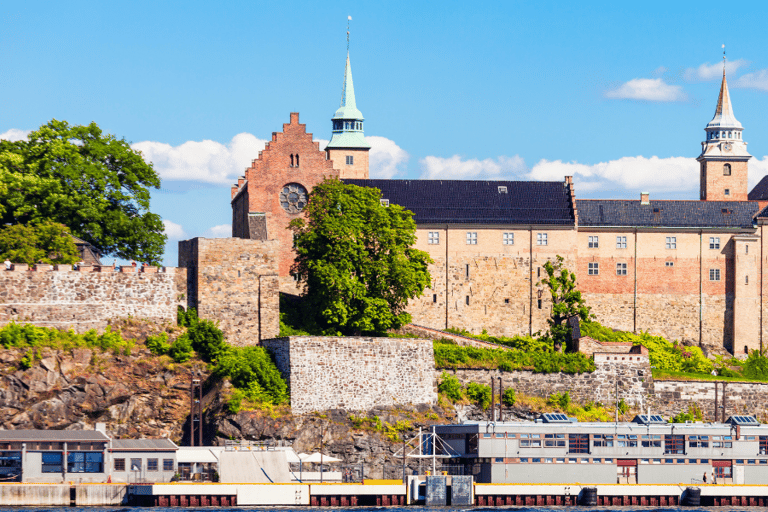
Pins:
x: 523, y: 459
x: 657, y: 461
x: 487, y: 435
x: 499, y: 459
x: 681, y: 461
x: 750, y: 438
x: 608, y: 461
x: 739, y: 461
x: 669, y: 461
x: 750, y: 461
x: 703, y: 461
x: 644, y: 461
x: 535, y: 459
x: 560, y: 460
x: 548, y: 461
x: 763, y: 461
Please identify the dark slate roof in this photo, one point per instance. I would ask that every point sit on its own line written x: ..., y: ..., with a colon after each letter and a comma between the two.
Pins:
x: 143, y: 445
x: 760, y: 192
x: 478, y: 202
x: 674, y: 214
x: 59, y: 436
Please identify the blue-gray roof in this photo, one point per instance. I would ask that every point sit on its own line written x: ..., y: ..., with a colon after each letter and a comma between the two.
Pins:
x: 760, y: 192
x: 673, y: 214
x: 479, y: 202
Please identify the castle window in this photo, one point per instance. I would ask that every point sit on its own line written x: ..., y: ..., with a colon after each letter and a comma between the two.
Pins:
x: 466, y: 270
x: 621, y: 269
x: 467, y: 300
x: 434, y: 237
x: 541, y: 239
x: 350, y: 160
x: 746, y: 279
x: 471, y: 237
x: 714, y: 274
x: 506, y: 301
x: 714, y: 242
x: 727, y: 170
x: 669, y: 263
x: 539, y: 303
x: 502, y: 190
x: 292, y: 161
x: 297, y: 160
x: 593, y: 242
x: 621, y: 242
x: 593, y: 269
x: 746, y: 249
x: 727, y: 191
x: 671, y: 242
x: 508, y: 239
x: 434, y: 297
x: 746, y: 349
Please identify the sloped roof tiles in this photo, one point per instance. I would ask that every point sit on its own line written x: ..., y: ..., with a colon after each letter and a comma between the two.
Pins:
x: 478, y: 202
x: 672, y: 214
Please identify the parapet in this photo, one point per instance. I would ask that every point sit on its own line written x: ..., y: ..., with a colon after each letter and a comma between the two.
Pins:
x: 125, y: 269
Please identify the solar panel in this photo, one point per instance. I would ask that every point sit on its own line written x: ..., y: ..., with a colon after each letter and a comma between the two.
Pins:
x: 743, y: 420
x: 645, y: 419
x: 554, y: 417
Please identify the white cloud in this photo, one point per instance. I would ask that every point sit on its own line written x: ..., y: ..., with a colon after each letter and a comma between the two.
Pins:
x: 15, y: 134
x: 755, y: 80
x: 707, y: 72
x: 634, y: 173
x: 220, y: 231
x: 173, y: 230
x: 454, y: 168
x: 757, y: 170
x: 207, y: 161
x: 386, y: 157
x: 647, y: 89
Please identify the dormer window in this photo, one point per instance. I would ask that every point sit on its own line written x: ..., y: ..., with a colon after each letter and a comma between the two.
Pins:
x: 502, y: 190
x: 727, y: 170
x: 384, y: 202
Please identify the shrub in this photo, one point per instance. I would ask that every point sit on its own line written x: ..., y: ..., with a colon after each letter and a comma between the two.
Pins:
x: 159, y: 344
x: 479, y: 394
x: 252, y: 370
x: 207, y: 340
x: 186, y: 318
x: 448, y: 354
x: 181, y: 350
x: 561, y: 400
x: 508, y: 397
x: 756, y: 366
x: 450, y: 387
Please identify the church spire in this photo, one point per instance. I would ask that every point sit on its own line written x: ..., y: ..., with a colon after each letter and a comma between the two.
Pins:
x: 348, y: 120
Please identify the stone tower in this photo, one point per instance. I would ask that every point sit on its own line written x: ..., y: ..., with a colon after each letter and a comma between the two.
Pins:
x: 723, y: 158
x: 348, y: 149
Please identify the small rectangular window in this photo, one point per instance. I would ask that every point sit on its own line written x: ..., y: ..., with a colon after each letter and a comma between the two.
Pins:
x: 671, y: 242
x: 434, y: 297
x: 714, y: 274
x: 434, y: 238
x: 669, y: 263
x: 506, y: 301
x: 727, y: 191
x: 167, y: 464
x: 471, y: 237
x: 502, y: 189
x: 151, y: 464
x: 594, y: 269
x: 350, y: 160
x: 593, y: 242
x: 466, y: 270
x: 539, y: 303
x: 135, y: 465
x: 119, y: 464
x: 621, y: 269
x: 714, y: 242
x: 508, y: 239
x: 746, y: 279
x: 621, y: 242
x: 541, y: 239
x: 467, y: 300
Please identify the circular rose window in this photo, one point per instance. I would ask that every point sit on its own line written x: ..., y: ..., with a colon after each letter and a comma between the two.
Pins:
x: 293, y: 198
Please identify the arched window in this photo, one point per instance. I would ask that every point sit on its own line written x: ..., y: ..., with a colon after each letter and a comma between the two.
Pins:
x: 291, y: 160
x: 297, y: 160
x: 727, y: 170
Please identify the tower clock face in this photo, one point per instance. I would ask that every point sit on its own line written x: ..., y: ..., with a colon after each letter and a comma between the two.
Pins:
x: 293, y: 198
x: 727, y: 146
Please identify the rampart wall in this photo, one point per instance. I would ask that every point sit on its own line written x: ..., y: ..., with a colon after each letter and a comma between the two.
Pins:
x: 90, y: 297
x: 355, y: 373
x: 234, y: 281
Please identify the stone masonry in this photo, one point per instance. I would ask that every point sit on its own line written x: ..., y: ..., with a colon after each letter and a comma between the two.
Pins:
x: 234, y: 281
x: 89, y: 298
x: 355, y: 373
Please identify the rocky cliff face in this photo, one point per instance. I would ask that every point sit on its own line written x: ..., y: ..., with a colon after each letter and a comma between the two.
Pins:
x: 137, y: 395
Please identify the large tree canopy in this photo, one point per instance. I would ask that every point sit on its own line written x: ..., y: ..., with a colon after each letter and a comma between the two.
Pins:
x: 356, y: 260
x: 567, y: 302
x: 44, y: 241
x: 91, y: 182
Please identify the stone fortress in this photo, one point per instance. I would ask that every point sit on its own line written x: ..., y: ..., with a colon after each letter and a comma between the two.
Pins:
x: 687, y: 270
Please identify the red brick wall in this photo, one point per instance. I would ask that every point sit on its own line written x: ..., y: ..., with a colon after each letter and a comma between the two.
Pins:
x: 714, y: 183
x: 272, y: 170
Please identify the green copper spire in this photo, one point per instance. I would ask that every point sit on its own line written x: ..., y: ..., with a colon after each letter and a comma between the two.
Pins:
x: 348, y: 121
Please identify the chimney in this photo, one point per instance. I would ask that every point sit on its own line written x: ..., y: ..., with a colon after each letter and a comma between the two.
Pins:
x: 645, y: 198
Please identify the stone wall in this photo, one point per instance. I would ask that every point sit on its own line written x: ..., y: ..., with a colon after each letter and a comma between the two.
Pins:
x: 751, y: 398
x: 89, y: 298
x: 234, y: 281
x: 355, y: 373
x: 634, y: 379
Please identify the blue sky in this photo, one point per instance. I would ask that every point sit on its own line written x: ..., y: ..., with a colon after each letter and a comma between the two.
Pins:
x: 615, y: 93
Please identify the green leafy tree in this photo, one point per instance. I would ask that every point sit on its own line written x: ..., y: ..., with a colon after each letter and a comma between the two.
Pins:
x: 89, y: 181
x: 356, y: 260
x: 44, y: 241
x: 566, y: 302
